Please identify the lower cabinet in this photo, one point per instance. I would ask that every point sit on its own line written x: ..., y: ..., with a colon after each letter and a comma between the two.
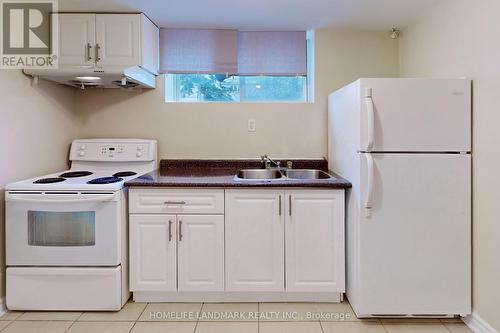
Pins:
x: 176, y: 252
x: 200, y: 253
x: 243, y: 241
x: 297, y: 234
x: 314, y: 241
x: 153, y: 252
x: 254, y: 240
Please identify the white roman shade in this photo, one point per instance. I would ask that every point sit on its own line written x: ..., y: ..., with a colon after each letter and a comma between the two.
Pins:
x: 272, y: 53
x: 198, y: 51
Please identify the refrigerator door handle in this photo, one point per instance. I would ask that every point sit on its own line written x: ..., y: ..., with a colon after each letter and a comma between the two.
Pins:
x: 370, y: 119
x: 369, y: 188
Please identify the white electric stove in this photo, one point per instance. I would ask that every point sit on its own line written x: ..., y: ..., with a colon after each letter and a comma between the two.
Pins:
x: 66, y: 232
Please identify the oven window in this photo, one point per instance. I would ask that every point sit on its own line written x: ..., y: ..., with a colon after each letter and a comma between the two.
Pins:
x: 61, y: 228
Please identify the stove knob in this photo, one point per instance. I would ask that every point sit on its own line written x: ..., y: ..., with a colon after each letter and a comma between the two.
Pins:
x: 138, y: 154
x: 83, y: 147
x: 139, y: 147
x: 81, y: 153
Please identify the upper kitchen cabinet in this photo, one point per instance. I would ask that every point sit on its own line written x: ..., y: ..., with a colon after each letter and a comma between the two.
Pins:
x: 105, y: 40
x: 118, y: 39
x: 76, y: 39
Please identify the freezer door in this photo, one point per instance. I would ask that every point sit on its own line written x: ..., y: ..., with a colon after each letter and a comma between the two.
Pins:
x: 415, y: 115
x: 415, y: 247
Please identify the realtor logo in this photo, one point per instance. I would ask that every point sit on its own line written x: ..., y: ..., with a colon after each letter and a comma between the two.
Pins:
x: 29, y: 34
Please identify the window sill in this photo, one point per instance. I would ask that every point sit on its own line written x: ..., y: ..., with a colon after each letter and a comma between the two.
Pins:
x: 252, y: 102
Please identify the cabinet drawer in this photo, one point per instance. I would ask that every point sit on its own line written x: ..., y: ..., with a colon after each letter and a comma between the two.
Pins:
x: 177, y: 201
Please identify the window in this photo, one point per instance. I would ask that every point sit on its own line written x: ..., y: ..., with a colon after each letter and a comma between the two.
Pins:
x: 61, y: 228
x: 234, y: 88
x: 267, y: 66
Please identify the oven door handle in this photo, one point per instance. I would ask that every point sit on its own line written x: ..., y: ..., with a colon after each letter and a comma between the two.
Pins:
x: 47, y: 199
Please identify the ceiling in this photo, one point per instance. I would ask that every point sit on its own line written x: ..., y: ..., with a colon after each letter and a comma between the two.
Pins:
x: 264, y: 14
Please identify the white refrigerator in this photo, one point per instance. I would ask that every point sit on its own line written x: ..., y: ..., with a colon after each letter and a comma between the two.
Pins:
x: 405, y: 145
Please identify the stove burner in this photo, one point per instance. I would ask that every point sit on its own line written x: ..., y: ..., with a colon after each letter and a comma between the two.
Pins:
x: 49, y: 180
x: 125, y: 174
x: 74, y: 174
x: 104, y: 180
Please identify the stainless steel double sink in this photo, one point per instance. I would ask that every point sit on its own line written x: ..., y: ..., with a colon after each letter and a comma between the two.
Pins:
x: 270, y: 174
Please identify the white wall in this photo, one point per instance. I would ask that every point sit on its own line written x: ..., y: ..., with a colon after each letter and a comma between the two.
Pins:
x: 37, y: 125
x: 220, y: 130
x: 460, y: 38
x: 457, y: 38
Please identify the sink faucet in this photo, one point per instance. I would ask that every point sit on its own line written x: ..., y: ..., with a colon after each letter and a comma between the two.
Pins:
x: 268, y: 161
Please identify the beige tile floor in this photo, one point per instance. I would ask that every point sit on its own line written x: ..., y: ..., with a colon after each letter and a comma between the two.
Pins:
x: 206, y: 318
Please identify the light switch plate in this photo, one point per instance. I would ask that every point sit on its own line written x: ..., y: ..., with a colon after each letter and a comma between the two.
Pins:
x: 251, y: 125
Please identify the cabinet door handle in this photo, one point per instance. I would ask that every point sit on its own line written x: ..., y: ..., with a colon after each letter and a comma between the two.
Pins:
x: 279, y: 207
x: 97, y: 48
x: 289, y: 205
x: 180, y: 231
x: 175, y: 202
x: 89, y: 52
x: 169, y: 230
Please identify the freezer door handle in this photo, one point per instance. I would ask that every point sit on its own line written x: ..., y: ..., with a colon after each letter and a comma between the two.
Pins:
x: 369, y: 187
x: 370, y: 119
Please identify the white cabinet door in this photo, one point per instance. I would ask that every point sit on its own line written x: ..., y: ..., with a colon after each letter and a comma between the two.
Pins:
x: 254, y: 240
x: 118, y: 39
x: 314, y: 230
x: 153, y: 264
x: 200, y: 252
x: 76, y: 39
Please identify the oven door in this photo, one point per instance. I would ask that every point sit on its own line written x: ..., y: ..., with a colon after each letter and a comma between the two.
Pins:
x: 63, y: 229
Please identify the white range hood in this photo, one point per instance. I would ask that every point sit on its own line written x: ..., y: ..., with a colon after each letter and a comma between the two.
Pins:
x: 97, y: 50
x: 94, y: 77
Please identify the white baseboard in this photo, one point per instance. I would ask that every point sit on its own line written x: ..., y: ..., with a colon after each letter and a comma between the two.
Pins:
x: 231, y: 296
x: 3, y: 307
x: 478, y: 324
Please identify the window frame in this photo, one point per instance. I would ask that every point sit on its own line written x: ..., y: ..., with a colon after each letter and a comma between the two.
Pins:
x: 172, y: 96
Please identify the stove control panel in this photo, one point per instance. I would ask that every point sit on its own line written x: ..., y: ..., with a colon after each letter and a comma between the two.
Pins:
x: 113, y: 150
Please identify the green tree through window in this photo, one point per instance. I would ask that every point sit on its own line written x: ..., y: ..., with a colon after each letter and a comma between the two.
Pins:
x: 223, y: 88
x: 207, y: 87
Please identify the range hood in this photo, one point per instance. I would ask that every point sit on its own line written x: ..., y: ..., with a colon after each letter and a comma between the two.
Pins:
x: 83, y: 77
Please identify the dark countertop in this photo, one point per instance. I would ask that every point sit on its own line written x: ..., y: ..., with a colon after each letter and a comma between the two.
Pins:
x: 221, y: 173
